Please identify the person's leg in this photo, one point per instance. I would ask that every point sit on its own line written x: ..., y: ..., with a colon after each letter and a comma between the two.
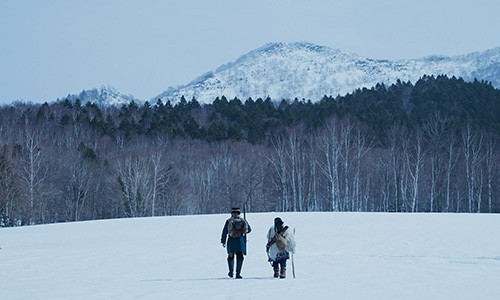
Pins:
x: 230, y: 264
x: 276, y: 269
x: 239, y: 264
x: 283, y: 268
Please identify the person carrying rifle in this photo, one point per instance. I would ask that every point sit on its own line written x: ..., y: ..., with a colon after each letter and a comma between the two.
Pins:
x: 281, y: 242
x: 234, y: 239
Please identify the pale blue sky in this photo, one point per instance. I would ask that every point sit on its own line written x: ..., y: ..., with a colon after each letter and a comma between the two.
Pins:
x: 51, y: 48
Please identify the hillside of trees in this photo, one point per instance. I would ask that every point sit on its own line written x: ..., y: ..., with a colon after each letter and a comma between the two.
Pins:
x: 431, y: 146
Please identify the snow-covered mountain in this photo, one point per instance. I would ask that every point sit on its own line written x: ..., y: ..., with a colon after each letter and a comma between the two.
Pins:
x: 309, y: 71
x: 105, y: 95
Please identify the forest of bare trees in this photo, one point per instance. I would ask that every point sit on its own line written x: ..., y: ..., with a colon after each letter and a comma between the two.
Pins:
x: 57, y: 167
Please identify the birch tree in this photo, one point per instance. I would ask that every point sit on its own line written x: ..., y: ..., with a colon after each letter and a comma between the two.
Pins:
x: 161, y: 178
x: 361, y: 148
x: 490, y: 161
x: 134, y: 182
x: 414, y: 157
x: 472, y: 143
x: 278, y: 161
x: 78, y: 188
x: 330, y: 145
x: 252, y: 179
x: 9, y: 190
x: 34, y: 172
x: 451, y: 161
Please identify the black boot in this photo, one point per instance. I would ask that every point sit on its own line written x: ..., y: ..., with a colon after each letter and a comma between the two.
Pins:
x: 283, y: 272
x: 276, y: 273
x: 239, y: 264
x: 230, y: 264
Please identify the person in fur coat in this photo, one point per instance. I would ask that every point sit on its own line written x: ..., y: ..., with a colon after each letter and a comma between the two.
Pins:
x: 281, y: 242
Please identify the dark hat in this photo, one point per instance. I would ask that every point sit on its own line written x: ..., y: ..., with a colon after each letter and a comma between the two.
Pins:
x: 235, y: 210
x: 278, y: 221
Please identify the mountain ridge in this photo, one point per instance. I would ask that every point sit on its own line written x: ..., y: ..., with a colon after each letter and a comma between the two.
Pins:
x: 309, y: 71
x: 104, y: 95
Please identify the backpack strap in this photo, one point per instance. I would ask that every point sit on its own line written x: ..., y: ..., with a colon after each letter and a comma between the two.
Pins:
x: 273, y: 240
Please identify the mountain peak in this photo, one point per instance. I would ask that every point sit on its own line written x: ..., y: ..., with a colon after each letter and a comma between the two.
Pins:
x: 308, y: 71
x: 275, y: 47
x: 104, y: 95
x: 303, y: 70
x: 290, y: 49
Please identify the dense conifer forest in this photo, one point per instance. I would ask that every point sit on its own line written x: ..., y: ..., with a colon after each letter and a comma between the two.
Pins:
x: 431, y: 146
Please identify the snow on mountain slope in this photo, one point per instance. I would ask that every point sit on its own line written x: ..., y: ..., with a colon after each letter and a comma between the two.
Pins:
x: 309, y: 71
x: 339, y: 256
x: 105, y: 95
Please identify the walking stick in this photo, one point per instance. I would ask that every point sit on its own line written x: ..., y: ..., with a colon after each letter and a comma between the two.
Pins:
x: 293, y: 264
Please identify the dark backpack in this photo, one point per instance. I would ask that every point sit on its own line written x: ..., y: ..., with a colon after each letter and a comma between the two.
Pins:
x: 236, y: 227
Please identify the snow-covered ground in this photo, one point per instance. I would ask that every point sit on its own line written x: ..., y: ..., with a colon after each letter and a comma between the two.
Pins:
x: 339, y: 256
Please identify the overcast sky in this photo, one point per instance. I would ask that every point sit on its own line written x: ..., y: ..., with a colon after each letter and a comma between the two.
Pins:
x: 51, y: 48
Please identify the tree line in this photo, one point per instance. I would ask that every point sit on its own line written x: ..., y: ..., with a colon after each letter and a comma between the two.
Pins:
x: 424, y: 147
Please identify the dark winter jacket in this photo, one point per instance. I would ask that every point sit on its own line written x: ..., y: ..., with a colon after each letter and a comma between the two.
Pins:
x: 233, y: 245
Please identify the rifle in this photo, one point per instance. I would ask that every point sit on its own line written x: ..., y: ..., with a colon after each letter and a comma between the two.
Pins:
x: 245, y: 217
x: 293, y: 264
x: 245, y: 211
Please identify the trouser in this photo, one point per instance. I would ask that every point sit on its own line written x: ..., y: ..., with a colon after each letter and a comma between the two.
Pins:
x: 239, y: 261
x: 278, y: 263
x: 280, y: 260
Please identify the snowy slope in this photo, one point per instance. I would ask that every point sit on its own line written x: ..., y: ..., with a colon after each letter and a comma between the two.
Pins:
x: 339, y: 256
x: 104, y: 95
x: 309, y: 71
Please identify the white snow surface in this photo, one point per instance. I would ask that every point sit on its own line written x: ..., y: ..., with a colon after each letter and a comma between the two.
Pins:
x: 339, y: 256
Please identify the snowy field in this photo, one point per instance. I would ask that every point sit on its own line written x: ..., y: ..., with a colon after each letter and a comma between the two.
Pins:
x: 339, y: 256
